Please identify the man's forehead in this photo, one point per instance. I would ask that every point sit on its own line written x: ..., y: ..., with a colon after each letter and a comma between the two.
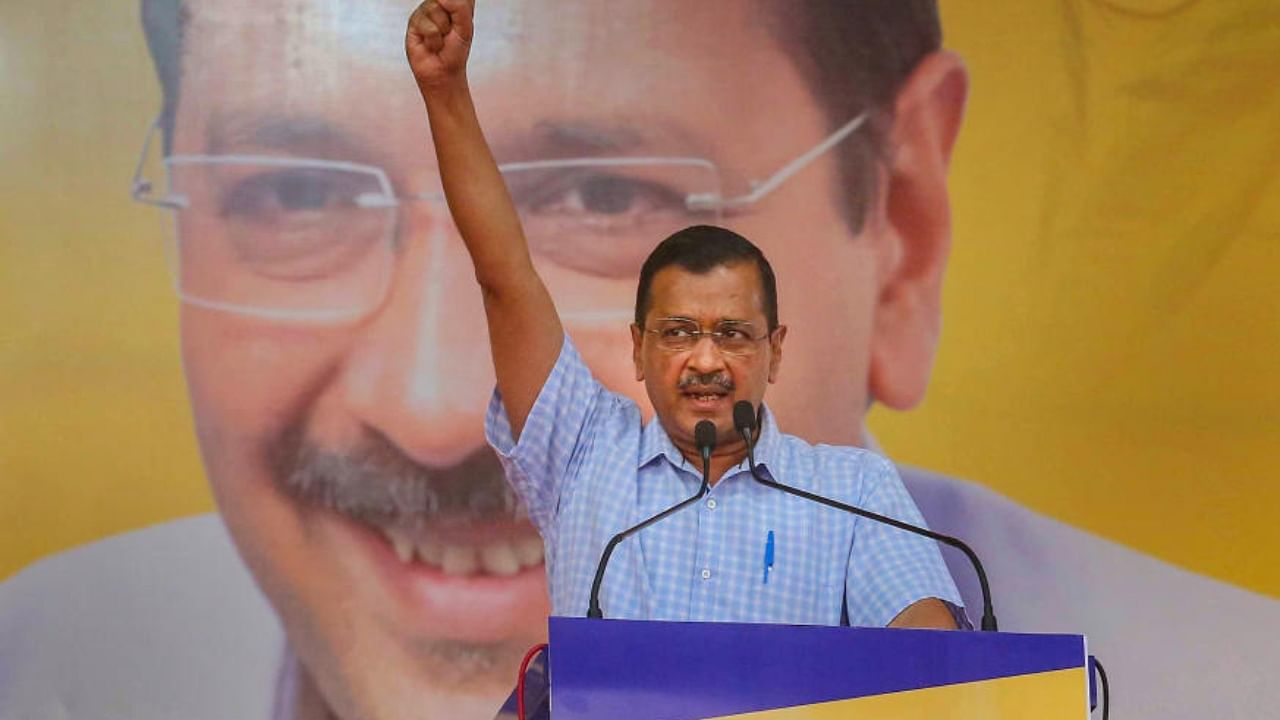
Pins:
x: 509, y: 32
x: 306, y: 32
x: 730, y: 291
x: 328, y: 78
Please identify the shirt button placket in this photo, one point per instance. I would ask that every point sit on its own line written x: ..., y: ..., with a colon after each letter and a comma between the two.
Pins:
x: 703, y: 594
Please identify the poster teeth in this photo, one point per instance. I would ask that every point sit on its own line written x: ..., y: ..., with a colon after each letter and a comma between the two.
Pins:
x: 430, y: 553
x: 500, y: 559
x: 529, y: 552
x: 459, y: 560
x: 402, y: 546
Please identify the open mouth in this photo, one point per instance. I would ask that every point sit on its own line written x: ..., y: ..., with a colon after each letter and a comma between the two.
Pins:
x: 445, y: 554
x: 706, y: 396
x: 460, y: 521
x: 499, y: 557
x: 477, y: 583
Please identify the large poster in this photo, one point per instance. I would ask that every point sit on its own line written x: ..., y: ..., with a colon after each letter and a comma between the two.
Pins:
x: 1027, y: 250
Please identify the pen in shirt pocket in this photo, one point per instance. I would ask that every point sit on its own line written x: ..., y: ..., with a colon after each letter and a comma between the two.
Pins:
x: 768, y: 556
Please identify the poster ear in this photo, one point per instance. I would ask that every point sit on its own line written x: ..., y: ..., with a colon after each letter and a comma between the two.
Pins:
x: 915, y: 230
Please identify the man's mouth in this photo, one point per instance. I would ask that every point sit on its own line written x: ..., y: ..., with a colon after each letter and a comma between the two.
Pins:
x: 706, y: 396
x: 501, y: 557
x: 706, y: 389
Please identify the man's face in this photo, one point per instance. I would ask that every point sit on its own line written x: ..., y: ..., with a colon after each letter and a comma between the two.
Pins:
x: 686, y: 387
x: 335, y: 446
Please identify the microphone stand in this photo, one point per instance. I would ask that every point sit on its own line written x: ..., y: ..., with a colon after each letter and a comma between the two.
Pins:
x: 745, y: 429
x: 704, y: 434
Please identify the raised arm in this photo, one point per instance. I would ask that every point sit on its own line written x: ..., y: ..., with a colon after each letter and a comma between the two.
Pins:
x: 525, y: 334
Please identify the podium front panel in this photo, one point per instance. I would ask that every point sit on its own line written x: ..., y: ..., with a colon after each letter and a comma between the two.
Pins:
x: 637, y: 670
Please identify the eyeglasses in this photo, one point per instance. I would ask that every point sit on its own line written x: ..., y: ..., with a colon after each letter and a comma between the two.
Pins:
x: 730, y: 337
x: 316, y: 240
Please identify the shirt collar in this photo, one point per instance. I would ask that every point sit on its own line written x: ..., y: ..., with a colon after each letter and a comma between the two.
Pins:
x: 655, y: 442
x: 769, y: 443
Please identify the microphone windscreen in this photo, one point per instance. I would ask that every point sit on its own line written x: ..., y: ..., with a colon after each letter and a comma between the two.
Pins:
x: 744, y: 416
x: 704, y: 435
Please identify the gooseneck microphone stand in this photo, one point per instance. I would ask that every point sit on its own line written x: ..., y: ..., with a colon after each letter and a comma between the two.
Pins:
x: 745, y: 420
x: 704, y: 435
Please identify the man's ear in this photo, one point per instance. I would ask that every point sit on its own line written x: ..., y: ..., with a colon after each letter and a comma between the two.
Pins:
x: 775, y: 348
x: 913, y: 223
x: 637, y: 338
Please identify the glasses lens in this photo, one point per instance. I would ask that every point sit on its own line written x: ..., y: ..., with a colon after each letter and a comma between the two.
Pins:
x: 602, y: 217
x: 737, y: 338
x: 677, y: 335
x: 282, y: 238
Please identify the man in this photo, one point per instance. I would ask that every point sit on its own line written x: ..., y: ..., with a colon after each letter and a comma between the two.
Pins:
x: 309, y: 389
x: 706, y: 335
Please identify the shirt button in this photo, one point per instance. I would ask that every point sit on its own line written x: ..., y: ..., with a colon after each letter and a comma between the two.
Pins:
x: 711, y: 504
x: 706, y: 574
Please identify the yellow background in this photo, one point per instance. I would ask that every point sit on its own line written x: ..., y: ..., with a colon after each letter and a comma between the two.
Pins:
x: 1051, y: 695
x: 1112, y: 331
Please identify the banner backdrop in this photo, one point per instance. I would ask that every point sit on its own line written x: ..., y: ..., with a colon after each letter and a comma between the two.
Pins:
x: 188, y: 343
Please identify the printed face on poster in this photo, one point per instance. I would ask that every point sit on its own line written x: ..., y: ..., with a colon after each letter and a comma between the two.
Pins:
x: 333, y: 337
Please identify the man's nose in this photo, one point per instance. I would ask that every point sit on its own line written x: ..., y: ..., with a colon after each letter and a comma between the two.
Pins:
x: 705, y: 356
x: 421, y: 374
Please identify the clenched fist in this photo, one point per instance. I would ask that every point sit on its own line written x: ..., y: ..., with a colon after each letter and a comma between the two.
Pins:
x: 438, y: 41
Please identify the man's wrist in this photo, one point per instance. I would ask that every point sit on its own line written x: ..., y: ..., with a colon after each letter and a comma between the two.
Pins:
x: 446, y: 92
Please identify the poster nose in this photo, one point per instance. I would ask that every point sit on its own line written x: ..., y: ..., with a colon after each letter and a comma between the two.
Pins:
x: 421, y: 374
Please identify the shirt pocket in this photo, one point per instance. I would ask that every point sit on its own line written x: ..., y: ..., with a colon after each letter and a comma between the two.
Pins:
x: 805, y: 581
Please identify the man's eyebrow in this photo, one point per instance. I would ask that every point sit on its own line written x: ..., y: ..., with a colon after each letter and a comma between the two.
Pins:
x: 561, y: 139
x: 718, y: 323
x: 303, y: 136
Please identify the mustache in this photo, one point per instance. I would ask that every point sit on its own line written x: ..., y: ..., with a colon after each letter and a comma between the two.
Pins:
x: 717, y: 379
x: 375, y: 483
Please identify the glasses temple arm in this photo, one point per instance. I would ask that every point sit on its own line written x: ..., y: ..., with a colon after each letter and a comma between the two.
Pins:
x: 759, y: 189
x: 140, y: 189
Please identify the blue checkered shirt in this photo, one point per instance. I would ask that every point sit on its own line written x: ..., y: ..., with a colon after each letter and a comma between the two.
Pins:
x: 586, y: 467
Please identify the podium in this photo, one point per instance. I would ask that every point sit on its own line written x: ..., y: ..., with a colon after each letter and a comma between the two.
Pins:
x: 646, y: 670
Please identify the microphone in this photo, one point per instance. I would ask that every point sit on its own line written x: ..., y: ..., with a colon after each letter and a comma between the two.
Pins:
x: 745, y: 420
x: 704, y: 436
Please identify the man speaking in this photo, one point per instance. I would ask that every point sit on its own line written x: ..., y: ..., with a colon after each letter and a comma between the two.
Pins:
x: 706, y: 335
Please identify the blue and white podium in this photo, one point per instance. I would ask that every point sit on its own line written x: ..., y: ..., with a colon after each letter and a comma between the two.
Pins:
x: 629, y: 670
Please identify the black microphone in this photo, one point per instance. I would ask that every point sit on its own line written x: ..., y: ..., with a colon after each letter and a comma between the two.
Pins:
x: 704, y: 436
x: 745, y: 420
